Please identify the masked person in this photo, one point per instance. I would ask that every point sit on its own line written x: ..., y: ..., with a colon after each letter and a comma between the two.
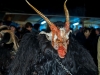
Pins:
x: 8, y: 48
x: 55, y: 52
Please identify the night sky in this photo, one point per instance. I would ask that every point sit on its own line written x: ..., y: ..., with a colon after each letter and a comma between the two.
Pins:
x: 84, y: 8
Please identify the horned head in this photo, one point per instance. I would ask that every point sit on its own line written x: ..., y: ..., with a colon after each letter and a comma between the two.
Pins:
x: 57, y: 36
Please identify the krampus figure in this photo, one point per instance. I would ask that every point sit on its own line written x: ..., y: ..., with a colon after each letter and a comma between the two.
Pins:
x: 8, y: 48
x: 52, y: 53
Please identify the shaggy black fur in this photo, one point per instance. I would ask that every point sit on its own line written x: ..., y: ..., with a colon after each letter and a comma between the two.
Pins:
x: 36, y: 56
x: 5, y: 56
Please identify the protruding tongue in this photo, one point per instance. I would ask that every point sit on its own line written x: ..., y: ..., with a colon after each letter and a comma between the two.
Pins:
x: 61, y: 52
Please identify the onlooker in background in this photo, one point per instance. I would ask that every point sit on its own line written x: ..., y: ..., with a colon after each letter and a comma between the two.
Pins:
x: 30, y: 28
x: 36, y: 27
x: 7, y: 20
x: 83, y: 35
x: 97, y: 32
x: 27, y: 28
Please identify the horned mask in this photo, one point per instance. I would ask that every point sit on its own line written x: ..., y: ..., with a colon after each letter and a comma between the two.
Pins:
x: 59, y: 37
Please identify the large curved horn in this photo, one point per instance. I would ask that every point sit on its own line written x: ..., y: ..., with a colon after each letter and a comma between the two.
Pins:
x: 53, y: 28
x: 42, y: 15
x: 67, y: 25
x: 66, y: 12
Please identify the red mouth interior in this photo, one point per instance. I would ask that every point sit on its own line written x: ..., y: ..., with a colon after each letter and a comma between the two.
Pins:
x: 61, y: 52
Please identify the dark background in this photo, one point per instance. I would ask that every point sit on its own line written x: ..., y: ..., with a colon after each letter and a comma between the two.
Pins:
x: 85, y: 8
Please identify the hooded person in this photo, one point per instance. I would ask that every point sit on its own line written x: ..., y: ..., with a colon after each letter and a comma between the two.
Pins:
x: 8, y: 48
x: 55, y: 52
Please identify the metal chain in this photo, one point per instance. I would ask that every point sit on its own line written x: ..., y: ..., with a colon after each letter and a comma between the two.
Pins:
x: 63, y: 67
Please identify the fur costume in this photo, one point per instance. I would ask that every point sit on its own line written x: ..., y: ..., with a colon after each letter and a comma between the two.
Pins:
x: 52, y: 53
x: 7, y: 48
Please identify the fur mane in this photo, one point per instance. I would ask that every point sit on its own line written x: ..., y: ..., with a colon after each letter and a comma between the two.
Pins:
x: 36, y: 56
